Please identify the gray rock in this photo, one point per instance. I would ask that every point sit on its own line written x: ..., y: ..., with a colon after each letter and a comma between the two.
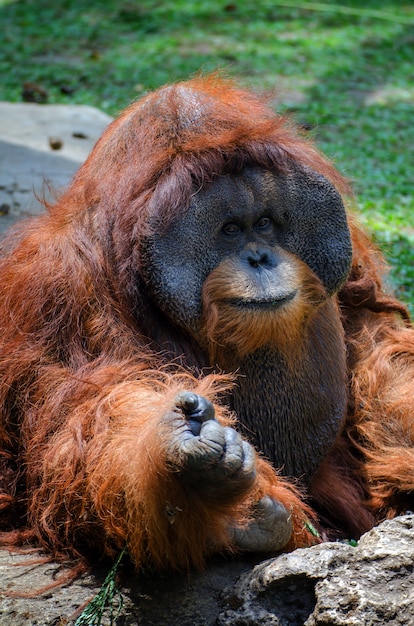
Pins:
x: 29, y: 167
x: 330, y: 584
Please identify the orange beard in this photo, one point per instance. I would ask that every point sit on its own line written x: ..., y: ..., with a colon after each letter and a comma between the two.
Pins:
x: 239, y: 318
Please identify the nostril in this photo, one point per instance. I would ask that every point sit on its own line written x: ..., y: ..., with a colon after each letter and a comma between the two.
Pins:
x: 258, y: 258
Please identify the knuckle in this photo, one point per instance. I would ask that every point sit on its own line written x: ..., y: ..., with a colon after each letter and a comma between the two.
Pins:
x: 195, y: 406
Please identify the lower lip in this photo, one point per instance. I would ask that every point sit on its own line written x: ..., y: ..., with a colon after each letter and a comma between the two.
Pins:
x: 268, y: 305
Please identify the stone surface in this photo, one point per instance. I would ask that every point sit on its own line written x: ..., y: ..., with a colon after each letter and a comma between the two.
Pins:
x: 28, y: 164
x: 333, y: 584
x: 169, y: 600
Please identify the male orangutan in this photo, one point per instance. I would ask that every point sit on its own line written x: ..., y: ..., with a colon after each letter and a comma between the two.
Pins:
x: 196, y: 352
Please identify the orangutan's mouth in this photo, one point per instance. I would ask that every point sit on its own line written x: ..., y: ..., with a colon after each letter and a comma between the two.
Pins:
x: 268, y: 304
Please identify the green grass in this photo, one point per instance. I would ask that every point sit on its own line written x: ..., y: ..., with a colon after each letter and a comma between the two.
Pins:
x: 345, y: 69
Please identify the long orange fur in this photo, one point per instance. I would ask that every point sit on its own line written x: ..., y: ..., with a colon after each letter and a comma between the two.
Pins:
x: 82, y: 394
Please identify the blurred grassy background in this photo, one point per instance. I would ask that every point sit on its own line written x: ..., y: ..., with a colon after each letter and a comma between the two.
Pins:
x: 344, y: 70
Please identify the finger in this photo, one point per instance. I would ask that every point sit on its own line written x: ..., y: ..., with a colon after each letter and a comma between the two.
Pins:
x: 234, y: 454
x: 249, y: 460
x: 212, y: 434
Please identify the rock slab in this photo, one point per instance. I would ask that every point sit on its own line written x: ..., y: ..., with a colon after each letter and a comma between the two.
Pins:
x: 41, y: 145
x: 333, y: 583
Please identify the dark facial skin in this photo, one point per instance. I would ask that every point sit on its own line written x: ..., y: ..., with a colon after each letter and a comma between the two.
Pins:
x: 249, y: 216
x: 290, y: 407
